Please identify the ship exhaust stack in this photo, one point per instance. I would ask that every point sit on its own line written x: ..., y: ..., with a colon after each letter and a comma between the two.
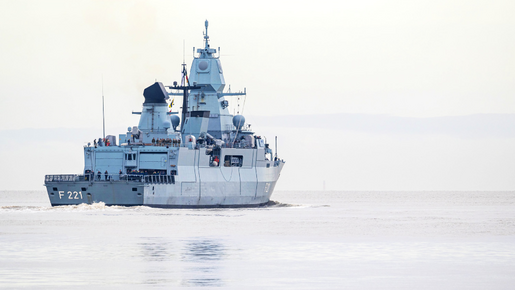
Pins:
x: 154, y: 116
x: 156, y: 93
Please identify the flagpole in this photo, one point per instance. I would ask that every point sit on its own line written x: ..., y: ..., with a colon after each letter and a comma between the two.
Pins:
x: 103, y: 112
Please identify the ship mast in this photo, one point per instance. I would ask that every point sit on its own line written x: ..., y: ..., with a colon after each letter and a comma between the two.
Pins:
x: 185, y: 83
x: 185, y: 87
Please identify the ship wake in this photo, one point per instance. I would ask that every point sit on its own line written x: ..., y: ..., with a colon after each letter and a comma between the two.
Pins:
x: 100, y: 206
x: 273, y: 203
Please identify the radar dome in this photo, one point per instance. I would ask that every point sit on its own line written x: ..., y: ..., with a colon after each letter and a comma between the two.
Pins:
x: 238, y: 121
x: 175, y: 121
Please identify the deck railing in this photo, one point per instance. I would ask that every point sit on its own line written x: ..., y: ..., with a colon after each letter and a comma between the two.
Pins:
x: 61, y: 178
x: 168, y: 179
x: 157, y: 179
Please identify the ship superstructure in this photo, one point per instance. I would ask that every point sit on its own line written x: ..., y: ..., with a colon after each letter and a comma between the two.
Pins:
x: 202, y: 156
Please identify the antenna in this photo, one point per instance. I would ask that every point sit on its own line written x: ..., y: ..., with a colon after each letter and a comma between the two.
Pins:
x: 205, y: 35
x: 103, y: 113
x: 275, y: 159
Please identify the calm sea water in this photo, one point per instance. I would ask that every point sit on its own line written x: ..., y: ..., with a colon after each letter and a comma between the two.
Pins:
x: 307, y: 240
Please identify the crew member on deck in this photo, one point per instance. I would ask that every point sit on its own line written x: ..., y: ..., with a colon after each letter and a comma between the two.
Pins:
x: 106, y: 174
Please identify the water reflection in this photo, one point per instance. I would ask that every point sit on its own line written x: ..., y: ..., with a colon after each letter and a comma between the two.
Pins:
x: 188, y: 263
x: 156, y: 250
x: 203, y: 250
x: 204, y: 258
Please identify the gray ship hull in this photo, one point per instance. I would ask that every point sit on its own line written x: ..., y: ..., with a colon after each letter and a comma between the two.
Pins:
x: 168, y: 192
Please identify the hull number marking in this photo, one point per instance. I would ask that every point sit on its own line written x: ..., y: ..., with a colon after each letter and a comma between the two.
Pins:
x: 71, y: 195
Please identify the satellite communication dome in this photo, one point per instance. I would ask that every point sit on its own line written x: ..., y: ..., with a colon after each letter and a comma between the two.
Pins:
x: 175, y: 121
x: 238, y: 121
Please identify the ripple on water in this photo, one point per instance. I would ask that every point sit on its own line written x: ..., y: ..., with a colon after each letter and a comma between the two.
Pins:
x: 100, y: 206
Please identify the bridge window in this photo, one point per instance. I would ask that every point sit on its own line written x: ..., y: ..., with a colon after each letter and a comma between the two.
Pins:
x: 130, y: 156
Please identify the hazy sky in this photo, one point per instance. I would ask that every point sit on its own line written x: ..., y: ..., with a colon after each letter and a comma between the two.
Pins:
x: 366, y: 63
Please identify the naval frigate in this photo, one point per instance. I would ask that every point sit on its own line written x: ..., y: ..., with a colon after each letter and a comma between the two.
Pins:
x: 207, y: 157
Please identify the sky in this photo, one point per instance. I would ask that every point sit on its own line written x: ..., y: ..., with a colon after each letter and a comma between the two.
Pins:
x: 363, y: 95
